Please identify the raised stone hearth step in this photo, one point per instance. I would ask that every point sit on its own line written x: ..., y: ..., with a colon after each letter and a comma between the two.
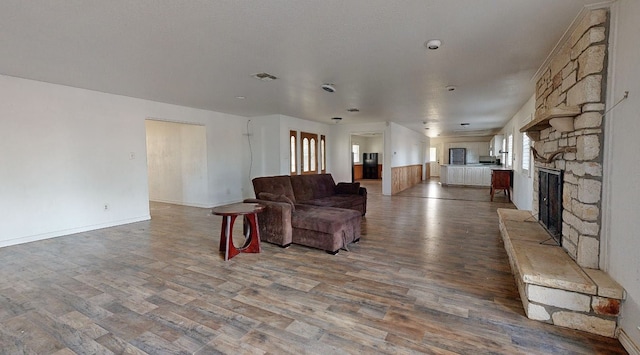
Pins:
x: 552, y: 286
x: 550, y: 266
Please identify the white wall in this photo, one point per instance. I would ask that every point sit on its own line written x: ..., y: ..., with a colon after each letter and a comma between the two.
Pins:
x: 375, y: 145
x: 407, y: 146
x: 270, y: 145
x: 476, y: 146
x: 369, y: 144
x: 65, y: 153
x: 339, y: 150
x: 177, y: 163
x: 522, y: 195
x: 264, y: 157
x: 621, y: 247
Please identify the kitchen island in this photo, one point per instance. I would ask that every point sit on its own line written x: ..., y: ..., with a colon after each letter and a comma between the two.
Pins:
x: 467, y: 175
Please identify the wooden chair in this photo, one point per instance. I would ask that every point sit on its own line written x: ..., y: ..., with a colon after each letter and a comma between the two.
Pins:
x: 501, y: 180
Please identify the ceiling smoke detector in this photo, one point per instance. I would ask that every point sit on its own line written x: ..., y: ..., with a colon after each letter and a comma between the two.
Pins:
x: 433, y: 44
x: 328, y: 88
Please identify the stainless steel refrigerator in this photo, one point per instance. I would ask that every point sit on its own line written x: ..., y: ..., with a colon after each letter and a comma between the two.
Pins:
x: 458, y: 156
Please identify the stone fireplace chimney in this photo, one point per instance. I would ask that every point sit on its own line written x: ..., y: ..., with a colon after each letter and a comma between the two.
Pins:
x: 568, y: 132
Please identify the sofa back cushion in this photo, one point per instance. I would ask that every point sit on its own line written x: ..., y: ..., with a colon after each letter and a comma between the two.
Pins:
x: 313, y: 186
x: 277, y: 185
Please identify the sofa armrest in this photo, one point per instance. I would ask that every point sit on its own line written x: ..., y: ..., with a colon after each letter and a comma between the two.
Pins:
x: 363, y: 192
x: 347, y: 188
x: 274, y: 222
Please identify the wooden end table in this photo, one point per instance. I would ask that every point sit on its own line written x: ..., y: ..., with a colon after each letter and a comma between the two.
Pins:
x: 229, y: 214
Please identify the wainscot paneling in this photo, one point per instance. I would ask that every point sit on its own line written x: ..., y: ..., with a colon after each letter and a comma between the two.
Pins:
x: 403, y: 177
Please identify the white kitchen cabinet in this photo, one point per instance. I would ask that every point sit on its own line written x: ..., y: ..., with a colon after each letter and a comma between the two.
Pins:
x: 486, y: 176
x: 465, y: 175
x: 455, y: 175
x: 473, y: 176
x: 495, y: 146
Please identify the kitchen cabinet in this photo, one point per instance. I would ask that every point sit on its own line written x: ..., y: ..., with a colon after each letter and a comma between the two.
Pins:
x: 473, y: 175
x: 486, y: 176
x: 464, y: 175
x: 495, y: 145
x: 455, y: 175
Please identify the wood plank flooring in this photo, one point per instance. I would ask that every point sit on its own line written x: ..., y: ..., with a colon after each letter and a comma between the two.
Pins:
x: 430, y: 275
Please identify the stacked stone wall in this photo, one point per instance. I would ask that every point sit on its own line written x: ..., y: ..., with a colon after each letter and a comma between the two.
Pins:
x: 576, y: 76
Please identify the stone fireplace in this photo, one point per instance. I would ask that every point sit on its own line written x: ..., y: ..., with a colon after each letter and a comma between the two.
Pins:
x: 564, y: 286
x: 572, y: 88
x: 550, y: 202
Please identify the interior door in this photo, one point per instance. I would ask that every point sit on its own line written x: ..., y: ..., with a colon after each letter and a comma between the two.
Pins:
x: 434, y: 164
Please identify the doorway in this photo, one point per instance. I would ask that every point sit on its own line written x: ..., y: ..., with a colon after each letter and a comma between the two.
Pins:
x: 367, y: 153
x: 177, y: 163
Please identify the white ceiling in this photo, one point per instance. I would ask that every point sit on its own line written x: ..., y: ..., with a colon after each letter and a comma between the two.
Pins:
x: 201, y: 54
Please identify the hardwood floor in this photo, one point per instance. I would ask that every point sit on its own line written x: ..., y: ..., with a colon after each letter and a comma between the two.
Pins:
x: 430, y: 275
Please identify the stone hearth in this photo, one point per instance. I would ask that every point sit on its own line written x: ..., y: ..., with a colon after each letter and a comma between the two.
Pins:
x: 552, y: 287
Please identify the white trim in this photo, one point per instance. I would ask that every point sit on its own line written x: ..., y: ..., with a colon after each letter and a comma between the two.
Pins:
x: 607, y: 147
x: 192, y: 204
x: 65, y: 232
x: 628, y: 344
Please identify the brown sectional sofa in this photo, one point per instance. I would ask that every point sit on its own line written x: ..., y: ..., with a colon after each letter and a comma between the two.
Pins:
x: 310, y: 210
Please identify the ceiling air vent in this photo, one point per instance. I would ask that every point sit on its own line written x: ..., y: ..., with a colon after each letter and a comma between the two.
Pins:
x: 264, y: 76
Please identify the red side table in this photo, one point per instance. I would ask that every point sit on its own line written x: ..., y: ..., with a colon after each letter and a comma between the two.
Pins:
x: 229, y: 214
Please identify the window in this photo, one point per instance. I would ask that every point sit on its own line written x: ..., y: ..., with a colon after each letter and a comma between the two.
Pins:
x: 309, y: 152
x: 355, y: 151
x: 432, y: 154
x: 526, y: 154
x: 293, y: 154
x: 510, y: 151
x: 323, y: 154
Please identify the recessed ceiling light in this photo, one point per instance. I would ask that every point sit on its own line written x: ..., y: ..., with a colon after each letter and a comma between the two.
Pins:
x: 336, y: 119
x: 426, y: 128
x: 328, y: 88
x: 464, y: 124
x: 264, y: 76
x: 450, y: 88
x: 433, y: 44
x: 240, y: 97
x: 353, y: 109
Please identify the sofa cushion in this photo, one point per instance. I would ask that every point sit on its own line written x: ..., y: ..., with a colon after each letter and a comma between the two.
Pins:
x: 309, y: 187
x: 325, y: 219
x: 277, y: 185
x: 348, y: 188
x: 276, y: 198
x: 339, y: 201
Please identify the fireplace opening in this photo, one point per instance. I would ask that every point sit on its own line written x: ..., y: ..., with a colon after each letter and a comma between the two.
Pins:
x: 550, y: 202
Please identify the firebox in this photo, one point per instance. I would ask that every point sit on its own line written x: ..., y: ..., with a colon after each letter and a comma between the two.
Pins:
x: 550, y: 202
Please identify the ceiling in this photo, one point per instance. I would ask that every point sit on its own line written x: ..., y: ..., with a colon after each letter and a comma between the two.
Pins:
x: 202, y: 54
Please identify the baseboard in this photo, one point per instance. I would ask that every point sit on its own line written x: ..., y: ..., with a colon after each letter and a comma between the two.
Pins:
x: 628, y: 344
x: 61, y: 233
x: 183, y: 203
